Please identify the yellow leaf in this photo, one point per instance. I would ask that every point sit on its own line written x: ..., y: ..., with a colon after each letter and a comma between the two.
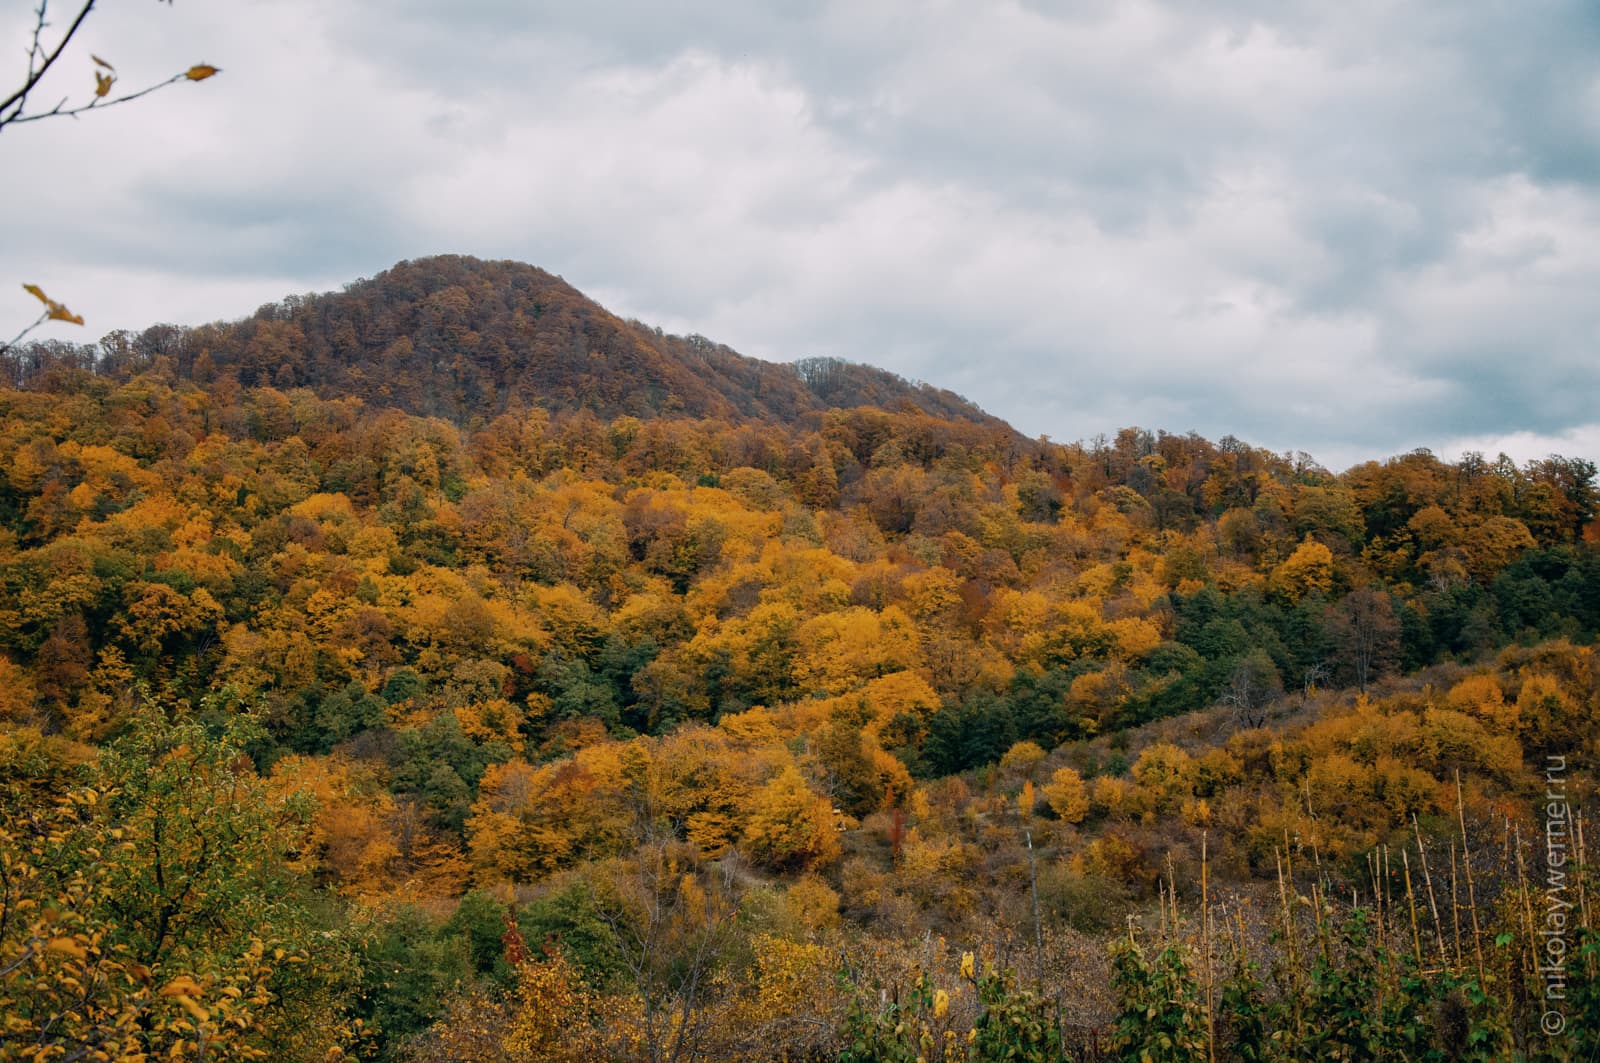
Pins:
x: 101, y: 62
x: 68, y: 947
x: 181, y: 986
x: 57, y: 311
x: 201, y: 71
x: 102, y: 83
x: 188, y: 1004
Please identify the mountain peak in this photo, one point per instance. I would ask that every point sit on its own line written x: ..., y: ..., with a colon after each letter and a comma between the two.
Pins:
x: 465, y: 339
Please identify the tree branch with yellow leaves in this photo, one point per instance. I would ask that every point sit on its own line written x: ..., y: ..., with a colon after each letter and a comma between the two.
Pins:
x: 42, y: 56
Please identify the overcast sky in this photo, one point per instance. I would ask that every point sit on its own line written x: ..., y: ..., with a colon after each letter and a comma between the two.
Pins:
x: 1349, y: 228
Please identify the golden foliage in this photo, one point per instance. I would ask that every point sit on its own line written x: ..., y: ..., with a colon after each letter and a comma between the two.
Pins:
x: 790, y: 827
x: 554, y: 1014
x: 1309, y: 570
x: 1067, y: 796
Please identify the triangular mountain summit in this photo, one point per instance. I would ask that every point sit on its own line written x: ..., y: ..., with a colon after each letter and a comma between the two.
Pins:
x: 464, y: 339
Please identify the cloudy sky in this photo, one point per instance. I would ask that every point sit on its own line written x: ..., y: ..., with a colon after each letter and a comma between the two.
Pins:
x: 1348, y: 228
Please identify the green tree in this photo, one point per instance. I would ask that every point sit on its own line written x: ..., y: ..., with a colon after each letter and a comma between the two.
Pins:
x: 154, y: 905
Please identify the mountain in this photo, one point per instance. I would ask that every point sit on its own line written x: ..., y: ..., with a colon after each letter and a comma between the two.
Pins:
x: 464, y: 339
x: 735, y: 697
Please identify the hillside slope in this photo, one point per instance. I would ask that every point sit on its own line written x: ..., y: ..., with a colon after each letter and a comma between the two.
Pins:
x: 376, y: 735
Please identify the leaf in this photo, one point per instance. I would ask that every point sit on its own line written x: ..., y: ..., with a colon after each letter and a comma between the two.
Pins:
x: 201, y: 71
x: 181, y: 986
x: 101, y: 62
x: 102, y: 84
x: 57, y: 312
x: 188, y: 1004
x: 68, y: 947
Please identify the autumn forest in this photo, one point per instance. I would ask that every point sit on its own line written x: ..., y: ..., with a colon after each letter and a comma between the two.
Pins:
x: 447, y: 669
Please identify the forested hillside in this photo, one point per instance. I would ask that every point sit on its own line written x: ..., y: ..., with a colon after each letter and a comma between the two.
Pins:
x: 447, y: 669
x: 465, y: 340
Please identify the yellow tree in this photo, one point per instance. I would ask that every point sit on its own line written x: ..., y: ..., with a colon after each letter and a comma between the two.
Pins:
x: 1067, y: 796
x: 840, y: 651
x: 553, y: 1013
x: 672, y: 921
x: 790, y: 826
x: 1309, y: 570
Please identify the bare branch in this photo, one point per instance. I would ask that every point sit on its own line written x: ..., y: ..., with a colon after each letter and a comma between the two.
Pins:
x: 35, y: 50
x: 22, y: 959
x: 19, y: 337
x: 61, y: 110
x: 19, y: 99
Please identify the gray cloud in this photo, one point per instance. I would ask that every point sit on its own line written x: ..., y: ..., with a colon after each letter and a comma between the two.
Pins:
x: 1351, y: 229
